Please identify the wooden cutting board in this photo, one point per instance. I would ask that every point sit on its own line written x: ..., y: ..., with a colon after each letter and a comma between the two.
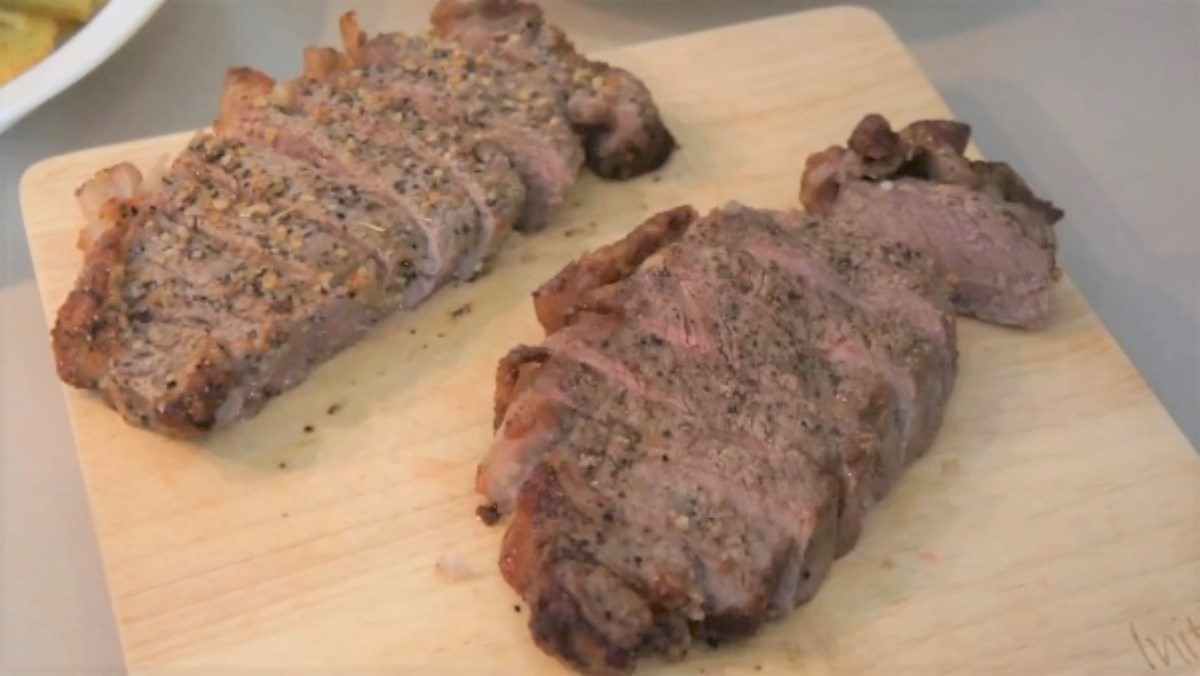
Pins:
x: 1055, y: 525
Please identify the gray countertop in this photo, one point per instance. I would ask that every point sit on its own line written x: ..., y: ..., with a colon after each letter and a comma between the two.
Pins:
x: 1095, y: 102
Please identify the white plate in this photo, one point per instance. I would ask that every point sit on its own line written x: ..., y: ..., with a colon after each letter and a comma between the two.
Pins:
x: 112, y: 26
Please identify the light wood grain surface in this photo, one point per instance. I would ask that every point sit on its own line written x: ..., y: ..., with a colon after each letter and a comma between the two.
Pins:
x: 1055, y: 525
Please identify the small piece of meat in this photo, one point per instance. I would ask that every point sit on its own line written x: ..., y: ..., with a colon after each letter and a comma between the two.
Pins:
x: 103, y: 193
x: 718, y: 402
x: 979, y: 219
x: 556, y: 300
x: 623, y: 133
x: 86, y: 335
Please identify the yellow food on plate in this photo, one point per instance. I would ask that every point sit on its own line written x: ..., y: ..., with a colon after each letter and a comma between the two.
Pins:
x: 25, y: 39
x: 68, y: 10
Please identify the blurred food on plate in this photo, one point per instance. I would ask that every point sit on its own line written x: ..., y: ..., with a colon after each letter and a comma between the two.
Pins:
x: 31, y: 29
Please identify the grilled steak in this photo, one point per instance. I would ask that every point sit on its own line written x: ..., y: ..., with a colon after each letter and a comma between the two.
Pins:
x: 321, y: 204
x: 333, y: 131
x: 206, y: 297
x: 717, y: 403
x: 518, y: 109
x: 623, y: 133
x: 978, y: 218
x: 523, y: 81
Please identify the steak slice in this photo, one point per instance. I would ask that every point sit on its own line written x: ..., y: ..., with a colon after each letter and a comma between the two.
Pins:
x: 522, y: 108
x: 718, y: 402
x: 424, y: 188
x: 322, y: 229
x: 403, y: 115
x: 213, y: 293
x: 622, y: 131
x: 980, y: 219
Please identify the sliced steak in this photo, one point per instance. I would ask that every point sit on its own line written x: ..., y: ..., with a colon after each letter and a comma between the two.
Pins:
x: 205, y: 297
x: 304, y: 217
x: 522, y: 109
x: 318, y: 205
x: 404, y: 115
x: 980, y: 219
x: 623, y: 133
x: 399, y: 172
x: 718, y: 402
x: 585, y: 612
x: 212, y: 294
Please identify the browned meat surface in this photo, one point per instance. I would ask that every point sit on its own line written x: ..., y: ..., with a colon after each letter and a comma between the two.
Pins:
x: 226, y: 285
x: 519, y: 110
x: 523, y: 85
x: 403, y: 116
x: 979, y: 219
x: 321, y: 204
x: 335, y: 133
x: 717, y: 403
x: 623, y: 133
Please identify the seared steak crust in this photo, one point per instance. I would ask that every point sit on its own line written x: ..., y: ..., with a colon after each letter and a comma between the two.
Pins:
x: 556, y: 300
x: 980, y: 219
x: 182, y: 325
x: 87, y: 334
x: 321, y: 204
x: 520, y: 109
x: 623, y: 134
x: 717, y: 403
